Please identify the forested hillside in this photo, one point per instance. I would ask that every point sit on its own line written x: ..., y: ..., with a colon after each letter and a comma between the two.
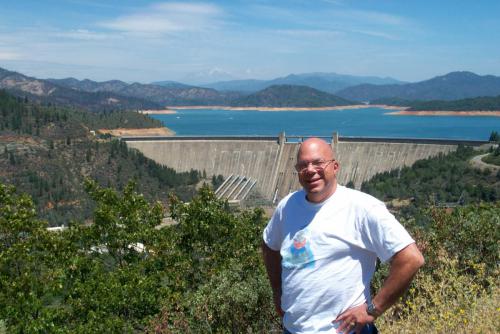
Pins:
x: 48, y: 151
x: 445, y: 180
x: 290, y: 96
x: 484, y: 103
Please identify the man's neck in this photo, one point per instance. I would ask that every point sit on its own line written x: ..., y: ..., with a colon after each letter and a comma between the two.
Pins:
x: 321, y: 197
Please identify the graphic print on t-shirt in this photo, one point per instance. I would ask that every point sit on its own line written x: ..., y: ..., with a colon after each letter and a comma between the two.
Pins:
x: 299, y: 255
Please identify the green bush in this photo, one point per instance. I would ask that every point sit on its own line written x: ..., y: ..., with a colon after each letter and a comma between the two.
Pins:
x: 446, y: 300
x: 458, y: 289
x: 224, y: 286
x: 204, y: 274
x: 235, y: 300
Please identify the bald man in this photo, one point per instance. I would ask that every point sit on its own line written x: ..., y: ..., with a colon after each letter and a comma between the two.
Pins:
x: 321, y: 246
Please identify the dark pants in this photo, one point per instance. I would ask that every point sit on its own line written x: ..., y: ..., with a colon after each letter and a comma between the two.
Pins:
x: 368, y: 329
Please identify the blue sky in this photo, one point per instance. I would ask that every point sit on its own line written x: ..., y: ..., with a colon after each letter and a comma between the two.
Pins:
x: 147, y: 41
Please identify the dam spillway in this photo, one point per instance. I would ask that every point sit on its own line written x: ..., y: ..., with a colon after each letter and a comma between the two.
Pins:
x: 270, y: 160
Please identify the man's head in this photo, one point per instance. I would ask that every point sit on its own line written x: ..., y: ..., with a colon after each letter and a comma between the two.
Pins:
x: 317, y: 169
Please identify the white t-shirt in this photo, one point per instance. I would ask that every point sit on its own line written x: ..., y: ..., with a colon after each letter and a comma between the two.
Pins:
x: 329, y: 252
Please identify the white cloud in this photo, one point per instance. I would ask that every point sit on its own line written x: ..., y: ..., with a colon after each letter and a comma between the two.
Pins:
x: 373, y: 17
x: 333, y: 22
x: 377, y: 34
x: 9, y: 55
x: 191, y: 8
x: 84, y: 34
x: 167, y: 18
x: 308, y: 32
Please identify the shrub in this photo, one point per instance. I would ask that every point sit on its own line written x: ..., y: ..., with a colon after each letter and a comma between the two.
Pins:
x: 459, y: 288
x: 446, y: 300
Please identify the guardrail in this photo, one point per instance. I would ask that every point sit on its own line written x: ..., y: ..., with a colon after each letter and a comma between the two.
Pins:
x: 177, y: 138
x: 298, y: 139
x: 414, y: 140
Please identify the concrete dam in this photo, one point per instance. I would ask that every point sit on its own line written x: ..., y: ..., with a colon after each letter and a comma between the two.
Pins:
x: 267, y: 163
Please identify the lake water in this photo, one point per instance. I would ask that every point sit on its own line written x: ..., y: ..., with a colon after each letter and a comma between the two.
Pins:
x: 367, y: 122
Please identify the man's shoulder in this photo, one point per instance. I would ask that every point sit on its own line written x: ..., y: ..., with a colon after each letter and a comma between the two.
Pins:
x: 359, y: 198
x: 292, y: 198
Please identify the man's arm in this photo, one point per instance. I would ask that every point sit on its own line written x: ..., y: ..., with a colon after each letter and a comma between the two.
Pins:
x: 272, y: 261
x: 404, y: 266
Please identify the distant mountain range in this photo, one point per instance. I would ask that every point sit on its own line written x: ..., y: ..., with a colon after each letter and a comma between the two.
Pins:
x: 45, y: 91
x: 171, y: 84
x: 87, y: 85
x: 119, y: 95
x: 452, y: 86
x: 171, y: 93
x: 327, y: 82
x: 108, y: 95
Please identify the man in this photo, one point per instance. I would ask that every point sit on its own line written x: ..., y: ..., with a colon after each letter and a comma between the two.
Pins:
x: 320, y: 250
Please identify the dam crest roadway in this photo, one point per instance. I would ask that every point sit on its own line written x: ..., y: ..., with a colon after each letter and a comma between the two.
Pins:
x: 266, y: 164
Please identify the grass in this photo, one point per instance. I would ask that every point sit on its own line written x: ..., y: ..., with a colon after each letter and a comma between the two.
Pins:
x: 481, y: 316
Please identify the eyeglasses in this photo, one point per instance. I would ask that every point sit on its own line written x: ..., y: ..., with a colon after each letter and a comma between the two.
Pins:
x: 318, y: 165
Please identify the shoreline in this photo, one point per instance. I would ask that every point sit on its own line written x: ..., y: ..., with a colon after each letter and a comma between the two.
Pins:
x: 394, y: 110
x: 445, y: 113
x: 354, y: 106
x: 120, y: 132
x: 158, y: 112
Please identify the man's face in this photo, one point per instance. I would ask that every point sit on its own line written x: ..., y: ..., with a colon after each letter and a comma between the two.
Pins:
x: 319, y: 182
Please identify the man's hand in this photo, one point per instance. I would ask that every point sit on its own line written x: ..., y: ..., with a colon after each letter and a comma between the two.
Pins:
x: 354, y: 319
x: 404, y: 265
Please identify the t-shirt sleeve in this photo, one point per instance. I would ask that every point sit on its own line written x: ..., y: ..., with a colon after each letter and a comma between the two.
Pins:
x: 273, y: 232
x: 382, y: 233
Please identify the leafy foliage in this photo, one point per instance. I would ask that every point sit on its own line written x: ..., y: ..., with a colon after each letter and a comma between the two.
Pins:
x: 86, y: 278
x: 28, y: 280
x: 234, y: 300
x: 120, y: 271
x: 224, y: 286
x: 204, y: 274
x: 459, y: 285
x: 471, y: 234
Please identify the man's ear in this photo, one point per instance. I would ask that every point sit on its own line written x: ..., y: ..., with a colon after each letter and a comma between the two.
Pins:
x: 336, y: 166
